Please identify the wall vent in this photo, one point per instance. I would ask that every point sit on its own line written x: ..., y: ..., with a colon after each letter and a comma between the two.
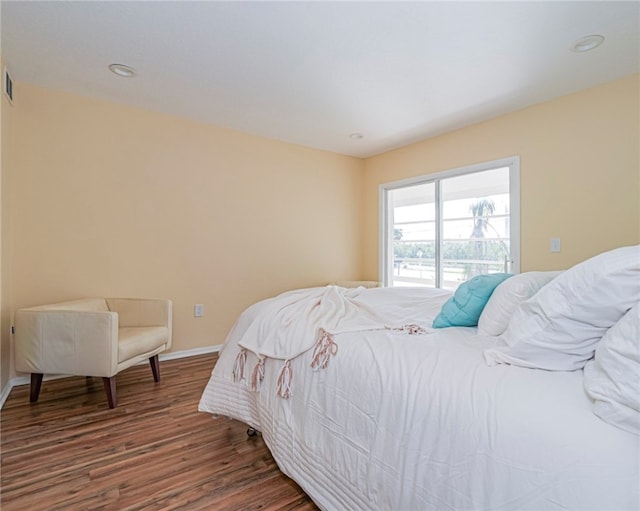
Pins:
x: 7, y: 83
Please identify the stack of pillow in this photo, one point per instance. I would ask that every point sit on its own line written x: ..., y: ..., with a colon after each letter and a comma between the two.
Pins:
x: 466, y: 305
x: 557, y: 321
x: 488, y: 301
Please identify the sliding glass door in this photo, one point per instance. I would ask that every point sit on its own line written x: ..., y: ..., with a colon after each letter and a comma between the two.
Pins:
x: 442, y: 229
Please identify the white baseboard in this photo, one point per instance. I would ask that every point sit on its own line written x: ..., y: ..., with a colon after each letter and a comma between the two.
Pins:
x: 173, y: 355
x: 5, y: 394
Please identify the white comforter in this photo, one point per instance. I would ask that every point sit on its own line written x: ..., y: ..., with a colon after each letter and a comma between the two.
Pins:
x: 408, y: 422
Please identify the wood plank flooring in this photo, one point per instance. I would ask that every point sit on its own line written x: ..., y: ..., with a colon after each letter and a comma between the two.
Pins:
x: 155, y: 451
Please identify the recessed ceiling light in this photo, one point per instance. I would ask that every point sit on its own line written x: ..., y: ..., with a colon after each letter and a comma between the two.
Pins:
x: 356, y: 136
x: 587, y: 43
x: 122, y: 70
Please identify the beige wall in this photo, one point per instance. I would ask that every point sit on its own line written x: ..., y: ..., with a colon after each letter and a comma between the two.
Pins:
x: 108, y: 200
x: 579, y: 172
x: 103, y: 199
x: 5, y: 346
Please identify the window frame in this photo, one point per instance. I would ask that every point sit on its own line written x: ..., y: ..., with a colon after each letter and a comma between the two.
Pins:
x: 385, y: 248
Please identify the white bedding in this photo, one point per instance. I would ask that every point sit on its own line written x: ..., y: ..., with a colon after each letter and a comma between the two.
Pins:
x: 408, y: 422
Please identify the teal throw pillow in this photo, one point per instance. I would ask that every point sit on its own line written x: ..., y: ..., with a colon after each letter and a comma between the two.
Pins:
x: 465, y: 306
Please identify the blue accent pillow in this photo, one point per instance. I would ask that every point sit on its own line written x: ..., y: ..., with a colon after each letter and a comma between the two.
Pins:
x: 466, y: 305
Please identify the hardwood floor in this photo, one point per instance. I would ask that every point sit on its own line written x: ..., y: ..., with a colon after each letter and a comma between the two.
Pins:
x: 155, y: 451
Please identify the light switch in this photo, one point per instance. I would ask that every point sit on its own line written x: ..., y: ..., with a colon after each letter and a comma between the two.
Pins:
x: 555, y: 244
x: 198, y: 310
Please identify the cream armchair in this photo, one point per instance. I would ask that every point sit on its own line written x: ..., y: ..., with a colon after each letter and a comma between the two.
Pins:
x: 91, y: 337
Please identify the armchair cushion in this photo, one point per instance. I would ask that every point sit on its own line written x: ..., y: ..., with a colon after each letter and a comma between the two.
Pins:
x: 138, y: 341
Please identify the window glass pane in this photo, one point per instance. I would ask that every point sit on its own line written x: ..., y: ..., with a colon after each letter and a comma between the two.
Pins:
x: 475, y: 225
x: 465, y: 233
x: 413, y: 235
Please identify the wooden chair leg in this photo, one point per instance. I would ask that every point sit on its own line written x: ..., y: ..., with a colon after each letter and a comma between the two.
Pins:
x: 110, y: 389
x: 36, y: 384
x: 155, y: 367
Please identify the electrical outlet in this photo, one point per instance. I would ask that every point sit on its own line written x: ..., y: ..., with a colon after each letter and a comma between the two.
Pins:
x: 198, y: 310
x: 8, y: 85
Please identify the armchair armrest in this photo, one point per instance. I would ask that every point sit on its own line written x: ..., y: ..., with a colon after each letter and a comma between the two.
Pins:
x: 143, y: 312
x: 59, y: 341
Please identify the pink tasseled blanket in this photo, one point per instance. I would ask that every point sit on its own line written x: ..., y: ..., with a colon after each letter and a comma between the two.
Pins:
x: 297, y: 321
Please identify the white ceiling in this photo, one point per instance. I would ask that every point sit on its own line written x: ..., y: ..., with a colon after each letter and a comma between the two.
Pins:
x: 311, y: 73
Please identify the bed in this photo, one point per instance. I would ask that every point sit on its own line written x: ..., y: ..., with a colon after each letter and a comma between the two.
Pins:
x: 367, y: 406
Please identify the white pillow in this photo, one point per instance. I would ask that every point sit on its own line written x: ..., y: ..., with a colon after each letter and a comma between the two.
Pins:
x: 558, y: 327
x: 507, y: 296
x: 612, y: 378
